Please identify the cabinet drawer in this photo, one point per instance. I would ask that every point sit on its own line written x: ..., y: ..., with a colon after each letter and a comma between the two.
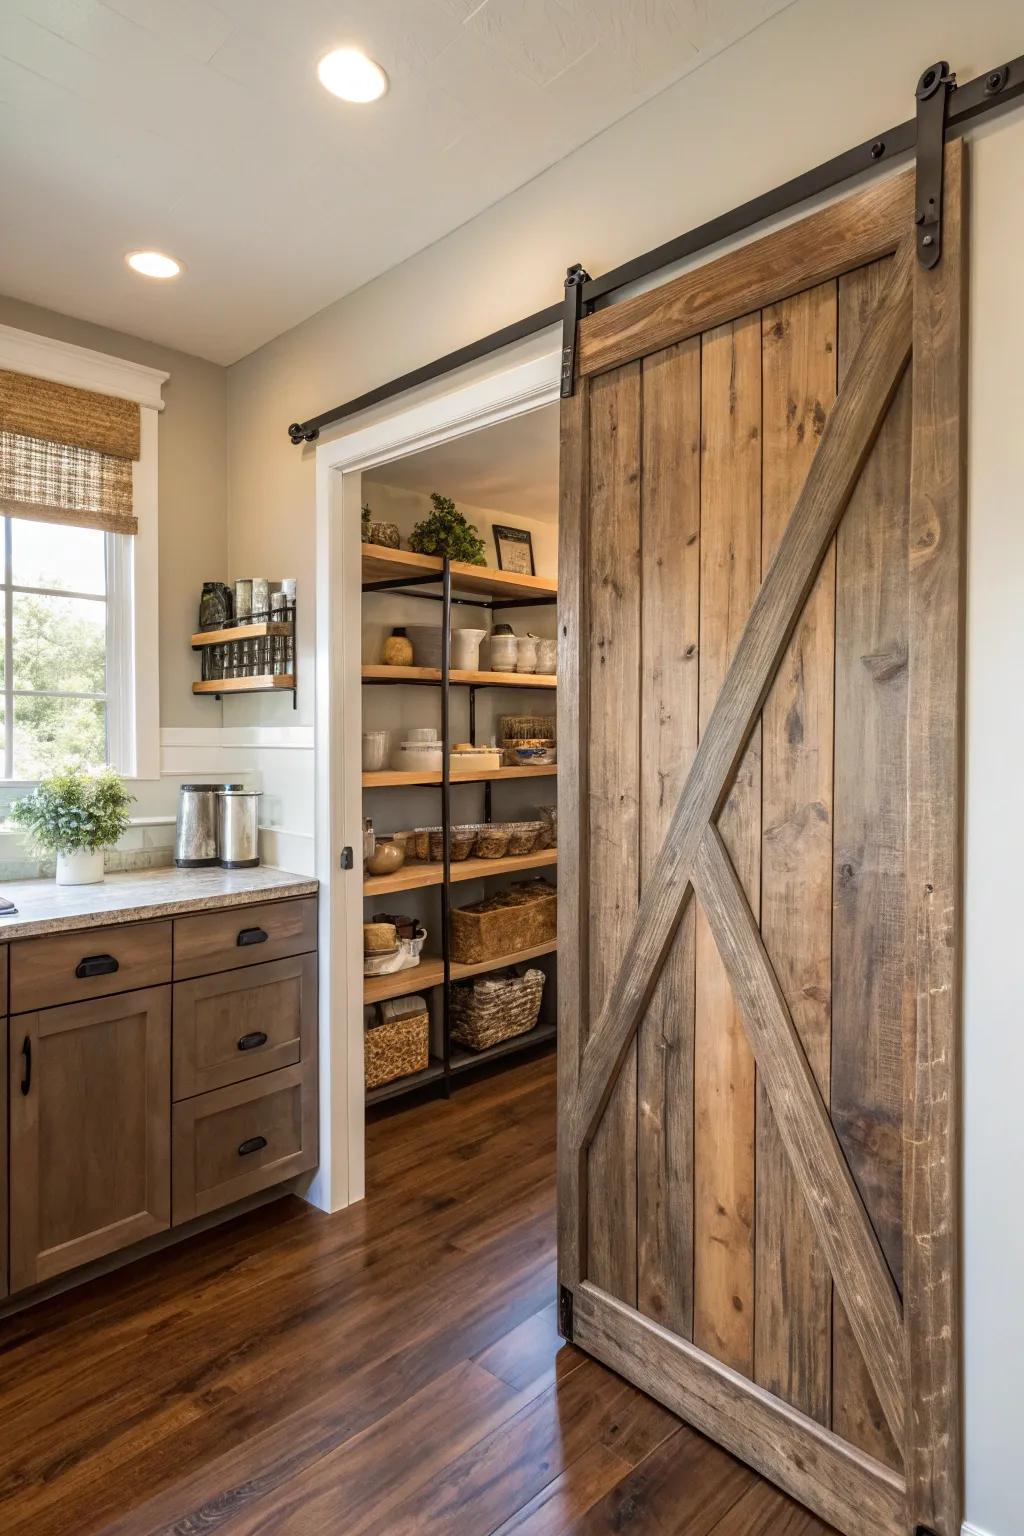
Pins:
x: 236, y: 1141
x: 236, y: 936
x: 91, y: 962
x: 239, y: 1024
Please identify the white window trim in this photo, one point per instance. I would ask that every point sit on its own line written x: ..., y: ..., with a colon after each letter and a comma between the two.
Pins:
x: 138, y: 682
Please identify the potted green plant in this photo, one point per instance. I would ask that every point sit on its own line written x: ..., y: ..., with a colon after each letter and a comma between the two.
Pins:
x: 446, y: 532
x: 75, y: 815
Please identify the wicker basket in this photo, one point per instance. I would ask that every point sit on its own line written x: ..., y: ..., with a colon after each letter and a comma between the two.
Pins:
x: 527, y: 728
x: 495, y: 1008
x: 504, y: 924
x: 396, y: 1049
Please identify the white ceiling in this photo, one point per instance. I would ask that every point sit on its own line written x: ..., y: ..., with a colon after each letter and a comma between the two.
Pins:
x: 199, y: 128
x: 511, y: 467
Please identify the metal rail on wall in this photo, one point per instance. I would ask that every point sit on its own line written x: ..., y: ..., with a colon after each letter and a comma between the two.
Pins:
x: 991, y: 91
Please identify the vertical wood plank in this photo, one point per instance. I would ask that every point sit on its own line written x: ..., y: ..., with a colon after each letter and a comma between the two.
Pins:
x: 670, y: 568
x: 724, y: 1079
x: 573, y: 822
x: 870, y: 843
x: 931, y: 1186
x: 793, y: 1333
x: 614, y: 797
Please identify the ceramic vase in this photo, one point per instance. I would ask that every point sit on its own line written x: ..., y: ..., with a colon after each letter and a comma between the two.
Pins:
x: 83, y: 867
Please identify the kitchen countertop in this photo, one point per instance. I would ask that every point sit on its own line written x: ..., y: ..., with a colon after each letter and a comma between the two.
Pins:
x: 45, y: 907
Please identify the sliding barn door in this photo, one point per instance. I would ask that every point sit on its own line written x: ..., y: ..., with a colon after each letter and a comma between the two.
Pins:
x: 760, y: 696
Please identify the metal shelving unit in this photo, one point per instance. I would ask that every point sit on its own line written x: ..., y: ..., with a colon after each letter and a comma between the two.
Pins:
x: 401, y: 574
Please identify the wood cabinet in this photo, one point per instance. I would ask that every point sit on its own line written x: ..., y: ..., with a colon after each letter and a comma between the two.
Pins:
x: 90, y: 1131
x: 103, y: 1039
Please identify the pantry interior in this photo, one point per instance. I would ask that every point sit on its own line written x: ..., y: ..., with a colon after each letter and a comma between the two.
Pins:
x: 473, y: 931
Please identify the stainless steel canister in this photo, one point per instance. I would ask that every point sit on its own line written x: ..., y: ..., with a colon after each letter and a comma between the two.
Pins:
x: 195, y: 834
x: 238, y: 828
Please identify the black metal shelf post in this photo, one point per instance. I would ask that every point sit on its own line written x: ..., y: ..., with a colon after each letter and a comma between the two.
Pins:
x: 446, y: 821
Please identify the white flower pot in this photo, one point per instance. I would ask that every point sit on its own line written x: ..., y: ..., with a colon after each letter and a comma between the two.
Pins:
x: 83, y: 867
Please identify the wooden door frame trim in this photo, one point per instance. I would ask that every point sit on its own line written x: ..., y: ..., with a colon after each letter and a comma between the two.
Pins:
x: 841, y: 1484
x: 850, y: 233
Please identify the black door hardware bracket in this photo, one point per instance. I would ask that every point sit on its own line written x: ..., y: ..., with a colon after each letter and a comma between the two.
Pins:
x: 934, y: 89
x: 575, y: 277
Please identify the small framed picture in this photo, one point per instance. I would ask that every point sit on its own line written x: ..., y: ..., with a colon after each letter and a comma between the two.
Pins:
x: 515, y: 550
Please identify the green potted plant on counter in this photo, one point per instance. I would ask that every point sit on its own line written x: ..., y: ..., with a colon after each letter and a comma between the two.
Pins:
x: 76, y: 815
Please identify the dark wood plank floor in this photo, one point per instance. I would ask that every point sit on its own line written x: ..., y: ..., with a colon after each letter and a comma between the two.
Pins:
x: 389, y: 1370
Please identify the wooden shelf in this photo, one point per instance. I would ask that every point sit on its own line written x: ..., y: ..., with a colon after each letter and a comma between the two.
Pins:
x: 273, y: 683
x: 380, y: 564
x: 381, y: 674
x: 414, y: 877
x: 207, y: 637
x: 430, y: 973
x: 384, y: 778
x: 409, y: 1084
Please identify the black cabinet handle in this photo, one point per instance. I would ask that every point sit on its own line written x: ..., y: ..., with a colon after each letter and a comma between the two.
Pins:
x: 26, y: 1076
x: 250, y: 1042
x: 252, y: 936
x: 96, y: 965
x: 252, y: 1144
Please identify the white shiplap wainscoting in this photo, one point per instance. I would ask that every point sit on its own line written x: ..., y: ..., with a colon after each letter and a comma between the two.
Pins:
x: 277, y: 759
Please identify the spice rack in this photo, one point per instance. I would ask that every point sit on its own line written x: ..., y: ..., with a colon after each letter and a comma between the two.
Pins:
x: 248, y: 656
x: 406, y: 574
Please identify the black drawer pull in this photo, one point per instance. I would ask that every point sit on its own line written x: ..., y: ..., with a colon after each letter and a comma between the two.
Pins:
x: 250, y: 1042
x: 252, y: 1144
x: 26, y: 1076
x: 252, y: 936
x: 96, y: 965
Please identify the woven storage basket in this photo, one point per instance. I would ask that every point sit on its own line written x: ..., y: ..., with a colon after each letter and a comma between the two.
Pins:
x: 397, y: 1049
x: 495, y: 1008
x: 527, y: 728
x: 504, y: 924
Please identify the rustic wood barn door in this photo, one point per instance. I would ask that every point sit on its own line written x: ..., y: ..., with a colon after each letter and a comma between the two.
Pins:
x: 760, y: 695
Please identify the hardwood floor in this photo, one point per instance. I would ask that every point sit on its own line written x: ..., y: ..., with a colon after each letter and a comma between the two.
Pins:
x: 389, y: 1370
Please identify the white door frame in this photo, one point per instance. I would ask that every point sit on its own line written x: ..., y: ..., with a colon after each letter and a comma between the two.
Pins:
x: 499, y: 395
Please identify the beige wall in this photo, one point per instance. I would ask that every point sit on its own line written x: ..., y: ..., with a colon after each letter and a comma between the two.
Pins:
x: 193, y: 464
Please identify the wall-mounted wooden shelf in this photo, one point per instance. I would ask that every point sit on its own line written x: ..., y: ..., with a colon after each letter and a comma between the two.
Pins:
x: 385, y: 778
x: 260, y: 631
x: 430, y: 973
x: 432, y: 675
x: 415, y: 877
x: 380, y: 564
x: 277, y: 682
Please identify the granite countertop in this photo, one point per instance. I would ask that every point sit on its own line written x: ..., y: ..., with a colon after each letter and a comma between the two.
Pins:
x: 45, y: 907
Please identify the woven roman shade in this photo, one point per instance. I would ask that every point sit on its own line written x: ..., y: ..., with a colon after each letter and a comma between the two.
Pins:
x: 66, y: 454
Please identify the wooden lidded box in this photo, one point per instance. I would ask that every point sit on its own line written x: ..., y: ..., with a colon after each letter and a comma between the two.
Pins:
x: 504, y: 924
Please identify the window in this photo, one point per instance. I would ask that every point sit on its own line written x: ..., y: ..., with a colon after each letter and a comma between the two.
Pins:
x: 65, y: 603
x: 79, y: 665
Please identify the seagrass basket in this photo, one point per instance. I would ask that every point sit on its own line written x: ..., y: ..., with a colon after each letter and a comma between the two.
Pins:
x: 504, y: 924
x: 396, y: 1049
x: 495, y: 1008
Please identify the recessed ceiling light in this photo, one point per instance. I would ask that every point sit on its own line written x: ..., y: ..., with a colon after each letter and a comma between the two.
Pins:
x: 153, y: 264
x: 348, y: 73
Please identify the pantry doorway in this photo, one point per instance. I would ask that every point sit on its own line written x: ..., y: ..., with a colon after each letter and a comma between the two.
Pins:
x: 491, y: 446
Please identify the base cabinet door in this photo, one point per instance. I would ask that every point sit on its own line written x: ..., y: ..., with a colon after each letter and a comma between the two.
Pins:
x: 90, y: 1090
